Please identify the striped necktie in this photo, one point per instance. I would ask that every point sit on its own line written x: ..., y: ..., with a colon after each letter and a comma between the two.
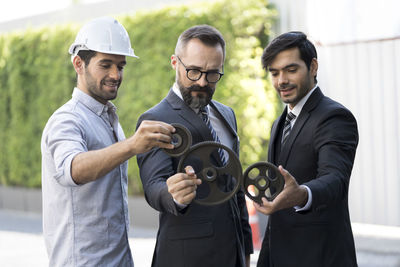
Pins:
x: 206, y: 119
x: 287, y: 127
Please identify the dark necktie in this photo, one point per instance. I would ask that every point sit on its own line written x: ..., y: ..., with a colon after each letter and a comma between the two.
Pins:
x: 206, y: 119
x: 286, y: 127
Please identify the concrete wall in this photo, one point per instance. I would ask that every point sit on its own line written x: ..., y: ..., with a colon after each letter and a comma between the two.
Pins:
x: 364, y: 76
x: 30, y: 201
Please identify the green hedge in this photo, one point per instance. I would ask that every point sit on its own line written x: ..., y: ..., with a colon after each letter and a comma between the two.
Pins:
x: 36, y: 77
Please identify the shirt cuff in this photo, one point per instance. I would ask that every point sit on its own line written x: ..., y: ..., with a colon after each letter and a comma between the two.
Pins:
x: 179, y: 205
x: 64, y: 175
x: 307, y: 206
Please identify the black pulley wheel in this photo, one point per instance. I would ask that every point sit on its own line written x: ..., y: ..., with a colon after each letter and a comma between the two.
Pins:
x: 223, y: 181
x: 262, y: 179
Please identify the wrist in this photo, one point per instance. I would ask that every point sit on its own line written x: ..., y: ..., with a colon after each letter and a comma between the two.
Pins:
x: 131, y: 146
x: 304, y: 196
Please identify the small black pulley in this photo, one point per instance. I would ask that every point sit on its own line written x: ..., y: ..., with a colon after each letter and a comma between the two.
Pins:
x: 181, y: 139
x: 262, y: 179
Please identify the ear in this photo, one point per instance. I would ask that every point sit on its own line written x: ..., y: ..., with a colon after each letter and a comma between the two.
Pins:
x: 174, y: 61
x: 314, y: 67
x: 79, y: 65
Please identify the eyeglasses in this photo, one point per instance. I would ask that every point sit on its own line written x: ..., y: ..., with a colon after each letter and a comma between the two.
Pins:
x: 195, y: 74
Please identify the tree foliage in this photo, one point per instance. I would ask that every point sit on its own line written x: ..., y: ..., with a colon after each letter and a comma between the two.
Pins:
x: 36, y: 77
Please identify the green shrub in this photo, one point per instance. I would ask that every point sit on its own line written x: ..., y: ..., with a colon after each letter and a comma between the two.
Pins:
x: 36, y: 77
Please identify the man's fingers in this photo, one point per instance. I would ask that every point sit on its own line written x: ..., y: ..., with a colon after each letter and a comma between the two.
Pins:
x: 158, y: 127
x: 266, y: 207
x: 192, y: 174
x: 153, y: 134
x: 283, y: 171
x: 166, y: 128
x: 165, y: 145
x: 189, y: 170
x: 266, y: 203
x: 186, y: 199
x: 162, y: 141
x: 181, y: 183
x: 181, y: 189
x: 286, y: 175
x: 256, y: 205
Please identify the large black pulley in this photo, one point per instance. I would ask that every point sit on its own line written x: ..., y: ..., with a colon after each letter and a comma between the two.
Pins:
x: 262, y: 179
x: 181, y: 139
x: 219, y: 182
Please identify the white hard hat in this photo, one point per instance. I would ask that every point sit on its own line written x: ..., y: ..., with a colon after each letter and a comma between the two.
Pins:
x: 104, y: 35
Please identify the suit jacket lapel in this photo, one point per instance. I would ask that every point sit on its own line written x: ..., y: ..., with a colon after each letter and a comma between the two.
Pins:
x: 229, y: 121
x: 274, y: 135
x: 186, y: 113
x: 305, y: 113
x: 226, y: 117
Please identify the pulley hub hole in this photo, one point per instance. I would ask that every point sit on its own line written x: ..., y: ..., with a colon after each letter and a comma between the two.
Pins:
x: 176, y: 140
x: 210, y: 174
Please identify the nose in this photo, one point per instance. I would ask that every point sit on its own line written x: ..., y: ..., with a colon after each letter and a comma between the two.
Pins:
x: 115, y: 73
x: 282, y: 79
x: 202, y: 81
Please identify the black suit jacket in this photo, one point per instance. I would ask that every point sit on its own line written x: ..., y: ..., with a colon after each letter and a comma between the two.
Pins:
x: 319, y: 153
x: 198, y: 235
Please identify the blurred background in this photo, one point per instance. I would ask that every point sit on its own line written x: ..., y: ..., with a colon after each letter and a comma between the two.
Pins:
x: 358, y: 45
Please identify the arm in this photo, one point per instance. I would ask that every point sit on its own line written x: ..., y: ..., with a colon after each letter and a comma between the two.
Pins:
x: 65, y: 139
x: 91, y: 165
x: 336, y: 140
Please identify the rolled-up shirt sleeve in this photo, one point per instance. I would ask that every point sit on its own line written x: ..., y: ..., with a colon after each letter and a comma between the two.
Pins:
x: 65, y: 139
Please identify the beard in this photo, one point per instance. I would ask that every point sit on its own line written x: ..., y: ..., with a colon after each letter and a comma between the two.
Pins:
x: 199, y: 100
x: 98, y: 92
x: 301, y: 90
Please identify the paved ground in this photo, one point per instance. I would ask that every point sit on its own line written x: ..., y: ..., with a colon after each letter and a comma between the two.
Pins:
x: 22, y: 245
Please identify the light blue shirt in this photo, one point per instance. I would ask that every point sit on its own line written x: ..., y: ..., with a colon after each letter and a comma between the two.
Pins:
x: 83, y: 225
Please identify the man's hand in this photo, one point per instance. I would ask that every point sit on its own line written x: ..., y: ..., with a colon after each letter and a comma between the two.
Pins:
x: 151, y: 134
x: 292, y: 195
x: 182, y: 186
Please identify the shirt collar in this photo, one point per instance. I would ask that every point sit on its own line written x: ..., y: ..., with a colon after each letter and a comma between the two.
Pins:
x: 176, y: 90
x: 91, y: 103
x: 299, y: 106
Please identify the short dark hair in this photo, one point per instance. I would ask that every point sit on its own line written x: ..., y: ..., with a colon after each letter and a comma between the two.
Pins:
x: 207, y: 34
x: 86, y: 55
x: 286, y: 41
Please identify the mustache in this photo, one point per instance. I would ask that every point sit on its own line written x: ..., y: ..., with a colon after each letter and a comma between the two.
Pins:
x: 200, y: 88
x: 111, y: 81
